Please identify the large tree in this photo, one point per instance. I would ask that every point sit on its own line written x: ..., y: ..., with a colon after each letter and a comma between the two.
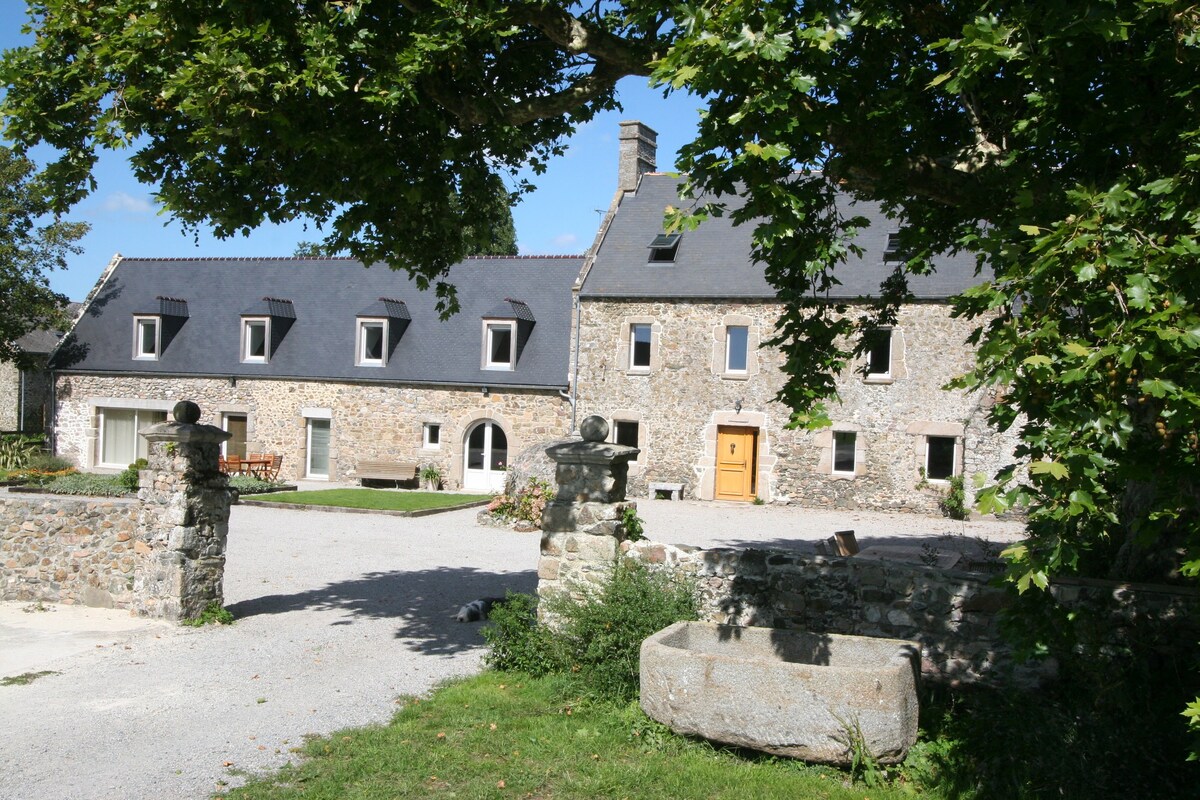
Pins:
x: 1056, y: 139
x: 32, y: 244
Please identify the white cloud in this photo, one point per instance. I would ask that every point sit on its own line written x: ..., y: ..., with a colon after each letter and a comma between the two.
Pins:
x: 565, y: 240
x: 122, y: 201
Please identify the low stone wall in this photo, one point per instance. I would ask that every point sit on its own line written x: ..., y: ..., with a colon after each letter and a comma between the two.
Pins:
x: 64, y: 550
x: 954, y: 615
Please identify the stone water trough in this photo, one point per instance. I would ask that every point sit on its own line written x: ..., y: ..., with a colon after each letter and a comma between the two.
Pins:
x: 784, y: 692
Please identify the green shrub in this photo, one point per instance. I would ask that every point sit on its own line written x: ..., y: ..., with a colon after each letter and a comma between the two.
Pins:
x: 213, y: 614
x: 87, y: 483
x: 44, y: 462
x: 16, y: 451
x: 130, y: 478
x: 248, y: 484
x: 954, y: 504
x: 631, y: 523
x: 597, y: 641
x: 517, y: 642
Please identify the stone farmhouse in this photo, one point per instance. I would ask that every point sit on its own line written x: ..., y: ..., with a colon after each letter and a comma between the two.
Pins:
x: 322, y: 361
x: 333, y: 365
x: 670, y: 332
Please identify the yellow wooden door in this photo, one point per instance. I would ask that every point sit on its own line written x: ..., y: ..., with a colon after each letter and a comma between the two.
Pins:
x: 735, y: 463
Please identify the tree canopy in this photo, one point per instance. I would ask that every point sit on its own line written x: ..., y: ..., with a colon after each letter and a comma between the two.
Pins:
x: 31, y: 246
x: 1057, y: 140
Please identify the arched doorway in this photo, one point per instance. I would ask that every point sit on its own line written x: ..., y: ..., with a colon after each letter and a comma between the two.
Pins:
x: 485, y: 459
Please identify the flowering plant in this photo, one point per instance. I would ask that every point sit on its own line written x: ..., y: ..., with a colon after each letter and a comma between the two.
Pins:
x: 526, y: 504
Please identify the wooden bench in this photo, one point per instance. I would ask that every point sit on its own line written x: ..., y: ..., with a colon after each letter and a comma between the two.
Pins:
x: 673, y: 490
x: 386, y: 470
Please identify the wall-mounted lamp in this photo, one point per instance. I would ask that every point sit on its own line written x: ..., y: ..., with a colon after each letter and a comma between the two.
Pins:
x: 485, y: 392
x: 737, y: 406
x: 232, y: 381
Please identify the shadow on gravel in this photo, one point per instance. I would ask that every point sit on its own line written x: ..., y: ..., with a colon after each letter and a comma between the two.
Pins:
x: 423, y: 601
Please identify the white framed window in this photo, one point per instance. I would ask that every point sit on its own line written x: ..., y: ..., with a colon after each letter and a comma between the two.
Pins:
x: 737, y: 349
x: 499, y: 344
x: 371, y: 337
x: 317, y: 446
x: 941, y: 457
x: 119, y: 444
x: 844, y: 445
x: 640, y: 334
x: 256, y: 338
x: 879, y: 353
x: 432, y: 435
x: 147, y: 338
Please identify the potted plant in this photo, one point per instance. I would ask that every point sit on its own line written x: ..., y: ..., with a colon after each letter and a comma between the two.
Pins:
x: 431, y: 477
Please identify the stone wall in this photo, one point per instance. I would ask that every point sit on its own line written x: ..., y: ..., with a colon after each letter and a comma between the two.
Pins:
x: 367, y: 421
x: 954, y: 615
x: 64, y: 550
x: 685, y: 397
x: 10, y: 397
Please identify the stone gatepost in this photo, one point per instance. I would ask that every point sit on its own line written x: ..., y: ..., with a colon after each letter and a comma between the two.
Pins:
x: 581, y: 526
x: 184, y: 519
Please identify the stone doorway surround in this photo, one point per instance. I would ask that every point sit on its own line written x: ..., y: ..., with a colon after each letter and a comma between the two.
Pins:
x: 706, y: 467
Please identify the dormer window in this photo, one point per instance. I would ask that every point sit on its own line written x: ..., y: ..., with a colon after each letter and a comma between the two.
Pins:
x: 256, y: 336
x: 378, y: 330
x: 372, y: 342
x: 499, y: 344
x: 664, y: 248
x: 506, y: 331
x: 891, y: 251
x: 264, y: 326
x: 146, y: 338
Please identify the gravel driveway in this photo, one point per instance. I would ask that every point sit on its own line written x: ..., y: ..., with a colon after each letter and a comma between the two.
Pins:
x: 338, y: 615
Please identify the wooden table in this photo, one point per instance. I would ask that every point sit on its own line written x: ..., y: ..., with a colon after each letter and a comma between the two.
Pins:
x: 258, y: 467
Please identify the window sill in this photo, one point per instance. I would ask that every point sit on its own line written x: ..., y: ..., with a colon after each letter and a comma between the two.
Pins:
x: 638, y: 371
x: 843, y: 476
x: 880, y: 380
x: 498, y: 368
x: 734, y: 376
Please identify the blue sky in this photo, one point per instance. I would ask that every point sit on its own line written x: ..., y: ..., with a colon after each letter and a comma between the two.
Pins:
x: 560, y: 217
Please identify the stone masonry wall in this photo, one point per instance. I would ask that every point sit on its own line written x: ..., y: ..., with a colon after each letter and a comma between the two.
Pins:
x: 368, y: 421
x: 952, y: 614
x: 63, y: 550
x: 10, y: 388
x: 684, y: 397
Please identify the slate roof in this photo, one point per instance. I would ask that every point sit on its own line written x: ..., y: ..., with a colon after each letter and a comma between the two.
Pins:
x: 326, y: 296
x: 713, y: 261
x: 43, y: 341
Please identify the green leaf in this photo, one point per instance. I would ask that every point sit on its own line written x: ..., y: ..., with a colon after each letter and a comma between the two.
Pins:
x: 1052, y: 468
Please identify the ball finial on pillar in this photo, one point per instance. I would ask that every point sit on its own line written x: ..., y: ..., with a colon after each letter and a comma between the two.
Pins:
x: 187, y: 412
x: 594, y: 429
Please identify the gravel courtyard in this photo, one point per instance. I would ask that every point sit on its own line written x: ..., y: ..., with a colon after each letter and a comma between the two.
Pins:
x: 338, y: 615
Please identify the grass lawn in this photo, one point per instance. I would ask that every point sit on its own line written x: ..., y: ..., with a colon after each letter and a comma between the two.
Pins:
x: 504, y: 735
x: 376, y: 499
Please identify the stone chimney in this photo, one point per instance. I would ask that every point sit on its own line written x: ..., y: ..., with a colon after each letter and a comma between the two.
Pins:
x: 638, y: 150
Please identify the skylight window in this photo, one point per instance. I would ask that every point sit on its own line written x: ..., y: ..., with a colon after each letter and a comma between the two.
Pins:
x: 664, y: 248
